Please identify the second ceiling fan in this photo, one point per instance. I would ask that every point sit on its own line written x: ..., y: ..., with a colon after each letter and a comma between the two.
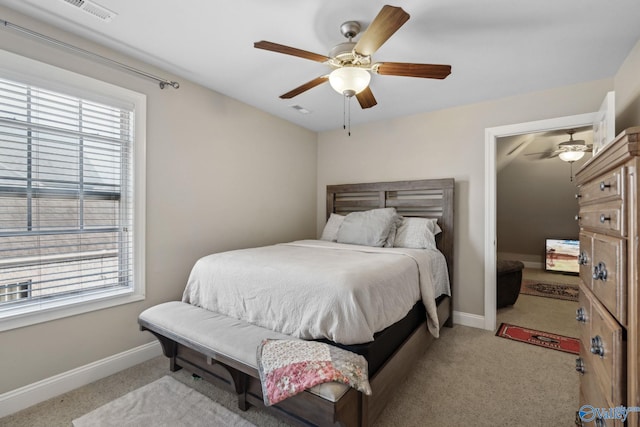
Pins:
x: 352, y: 63
x: 568, y: 151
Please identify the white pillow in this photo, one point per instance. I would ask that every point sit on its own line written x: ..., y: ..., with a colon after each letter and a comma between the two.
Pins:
x: 417, y: 233
x: 369, y: 228
x: 330, y: 232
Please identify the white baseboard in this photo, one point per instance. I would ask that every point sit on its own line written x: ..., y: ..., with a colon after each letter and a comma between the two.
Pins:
x: 535, y: 265
x: 529, y: 261
x: 468, y: 319
x: 23, y: 397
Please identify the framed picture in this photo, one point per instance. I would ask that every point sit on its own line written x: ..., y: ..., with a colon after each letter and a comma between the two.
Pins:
x: 604, y: 125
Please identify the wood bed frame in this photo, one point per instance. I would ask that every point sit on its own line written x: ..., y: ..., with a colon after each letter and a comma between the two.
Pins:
x: 422, y: 198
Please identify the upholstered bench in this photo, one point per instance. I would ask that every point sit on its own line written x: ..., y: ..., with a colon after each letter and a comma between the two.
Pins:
x: 509, y: 279
x: 220, y: 338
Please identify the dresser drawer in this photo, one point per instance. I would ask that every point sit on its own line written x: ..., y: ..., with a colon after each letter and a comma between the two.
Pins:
x: 608, y: 276
x: 591, y: 393
x: 603, y: 218
x: 607, y: 356
x: 608, y: 187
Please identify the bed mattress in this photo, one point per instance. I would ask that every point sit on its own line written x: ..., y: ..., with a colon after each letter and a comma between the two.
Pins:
x: 320, y: 290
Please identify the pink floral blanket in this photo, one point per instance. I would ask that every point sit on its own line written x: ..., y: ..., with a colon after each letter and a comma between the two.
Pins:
x: 288, y: 367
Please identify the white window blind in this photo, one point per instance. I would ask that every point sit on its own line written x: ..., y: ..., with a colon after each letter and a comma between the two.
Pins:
x: 66, y: 199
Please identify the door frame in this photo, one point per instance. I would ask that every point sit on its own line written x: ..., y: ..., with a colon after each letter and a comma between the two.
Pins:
x: 490, y: 226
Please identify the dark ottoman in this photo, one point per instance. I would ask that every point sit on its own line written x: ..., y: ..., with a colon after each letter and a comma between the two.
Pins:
x: 508, y: 282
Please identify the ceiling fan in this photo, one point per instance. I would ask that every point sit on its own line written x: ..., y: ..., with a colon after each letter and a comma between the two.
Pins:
x: 351, y: 61
x: 568, y: 151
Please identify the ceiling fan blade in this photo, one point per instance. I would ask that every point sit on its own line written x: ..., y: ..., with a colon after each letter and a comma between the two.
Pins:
x: 513, y: 150
x: 387, y: 22
x: 427, y: 71
x: 545, y: 154
x: 305, y: 87
x: 280, y: 48
x: 366, y: 98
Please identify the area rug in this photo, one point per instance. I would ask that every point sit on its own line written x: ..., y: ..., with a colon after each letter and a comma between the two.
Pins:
x: 539, y: 338
x: 164, y: 402
x: 540, y: 288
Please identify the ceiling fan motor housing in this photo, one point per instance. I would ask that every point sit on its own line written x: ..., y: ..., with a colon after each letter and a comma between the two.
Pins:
x: 350, y: 29
x: 343, y: 53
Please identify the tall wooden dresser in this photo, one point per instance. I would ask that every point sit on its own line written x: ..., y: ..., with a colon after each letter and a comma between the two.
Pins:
x: 609, y: 295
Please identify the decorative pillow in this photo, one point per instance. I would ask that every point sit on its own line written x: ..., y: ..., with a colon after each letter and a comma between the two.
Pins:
x: 369, y: 228
x: 289, y: 367
x: 330, y: 232
x: 417, y: 233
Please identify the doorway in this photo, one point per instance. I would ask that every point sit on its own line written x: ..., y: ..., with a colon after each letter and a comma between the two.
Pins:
x: 491, y: 139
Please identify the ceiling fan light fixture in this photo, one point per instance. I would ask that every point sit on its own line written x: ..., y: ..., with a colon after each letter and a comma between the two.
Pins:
x: 571, y: 156
x: 349, y: 81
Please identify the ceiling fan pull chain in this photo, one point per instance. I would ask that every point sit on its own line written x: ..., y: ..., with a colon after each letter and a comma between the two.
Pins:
x: 570, y: 171
x: 349, y: 116
x: 344, y: 112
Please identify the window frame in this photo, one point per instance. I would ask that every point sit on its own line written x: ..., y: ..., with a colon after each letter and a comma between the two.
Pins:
x: 29, y: 71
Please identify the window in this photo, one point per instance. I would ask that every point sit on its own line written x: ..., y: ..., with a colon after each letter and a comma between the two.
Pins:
x: 68, y: 211
x: 15, y: 291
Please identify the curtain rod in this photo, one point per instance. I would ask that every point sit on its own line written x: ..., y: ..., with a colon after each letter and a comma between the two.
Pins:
x: 162, y: 82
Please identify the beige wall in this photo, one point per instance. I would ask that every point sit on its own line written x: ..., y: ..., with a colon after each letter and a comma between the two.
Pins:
x: 220, y: 175
x: 446, y: 143
x: 535, y: 200
x: 627, y: 87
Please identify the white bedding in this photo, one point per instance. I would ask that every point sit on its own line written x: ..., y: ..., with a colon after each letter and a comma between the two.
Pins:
x: 316, y: 289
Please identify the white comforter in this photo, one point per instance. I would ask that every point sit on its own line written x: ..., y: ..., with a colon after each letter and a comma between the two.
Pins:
x: 315, y: 289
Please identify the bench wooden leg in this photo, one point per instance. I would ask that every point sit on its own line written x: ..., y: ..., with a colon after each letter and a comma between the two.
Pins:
x: 173, y: 364
x: 243, y: 405
x: 169, y: 349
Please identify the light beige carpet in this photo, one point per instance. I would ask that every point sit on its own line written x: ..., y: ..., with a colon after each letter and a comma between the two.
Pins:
x: 164, y: 402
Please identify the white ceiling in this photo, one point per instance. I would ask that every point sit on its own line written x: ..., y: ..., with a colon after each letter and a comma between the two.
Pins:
x: 496, y: 48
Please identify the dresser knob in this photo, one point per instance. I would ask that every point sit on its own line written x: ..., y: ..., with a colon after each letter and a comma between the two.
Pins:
x: 596, y: 346
x: 583, y: 259
x: 604, y: 186
x: 604, y: 218
x: 577, y: 217
x: 579, y: 365
x: 578, y: 195
x: 600, y: 272
x: 581, y: 316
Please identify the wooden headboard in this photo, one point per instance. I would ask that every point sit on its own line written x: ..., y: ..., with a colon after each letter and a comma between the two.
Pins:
x: 427, y: 198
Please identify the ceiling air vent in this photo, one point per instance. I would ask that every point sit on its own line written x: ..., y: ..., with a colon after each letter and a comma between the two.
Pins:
x: 93, y: 9
x: 300, y: 109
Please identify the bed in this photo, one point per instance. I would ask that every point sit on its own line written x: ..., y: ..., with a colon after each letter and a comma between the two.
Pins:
x: 212, y: 343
